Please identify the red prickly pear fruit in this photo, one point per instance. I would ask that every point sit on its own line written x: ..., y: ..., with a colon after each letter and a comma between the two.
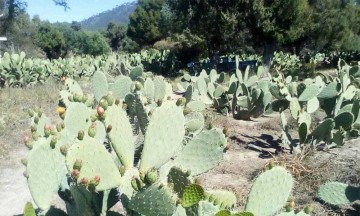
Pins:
x: 24, y: 161
x: 226, y: 132
x: 97, y: 180
x: 159, y: 102
x: 181, y: 102
x: 104, y: 104
x: 75, y: 173
x: 31, y: 113
x: 53, y: 142
x: 117, y: 102
x: 81, y: 135
x: 36, y: 120
x: 138, y: 86
x: 100, y: 110
x: 92, y: 131
x: 33, y: 128
x: 64, y: 149
x: 77, y: 165
x: 84, y: 181
x: 186, y: 111
x: 26, y: 139
x: 108, y: 129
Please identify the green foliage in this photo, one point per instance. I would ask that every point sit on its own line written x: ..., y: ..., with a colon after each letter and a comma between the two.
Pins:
x: 51, y: 40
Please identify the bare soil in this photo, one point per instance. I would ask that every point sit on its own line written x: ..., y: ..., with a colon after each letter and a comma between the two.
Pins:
x: 252, y: 145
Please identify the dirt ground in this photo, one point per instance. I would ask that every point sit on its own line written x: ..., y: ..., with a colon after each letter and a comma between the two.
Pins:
x: 252, y: 145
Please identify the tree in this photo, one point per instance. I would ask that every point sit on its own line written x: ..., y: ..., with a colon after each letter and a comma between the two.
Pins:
x: 51, y: 40
x: 115, y: 34
x: 92, y: 43
x: 143, y: 27
x: 337, y: 25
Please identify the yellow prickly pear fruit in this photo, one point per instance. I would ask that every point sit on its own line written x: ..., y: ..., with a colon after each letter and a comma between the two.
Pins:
x: 61, y: 110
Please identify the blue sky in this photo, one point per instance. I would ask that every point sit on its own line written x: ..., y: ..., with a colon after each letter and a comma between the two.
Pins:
x: 79, y: 9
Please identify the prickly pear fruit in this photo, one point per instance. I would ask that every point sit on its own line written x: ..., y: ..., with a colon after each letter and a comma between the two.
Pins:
x: 136, y: 184
x: 59, y: 127
x: 31, y: 113
x: 159, y: 102
x: 81, y: 135
x: 33, y: 128
x: 93, y: 118
x: 108, y: 129
x: 92, y: 130
x: 36, y: 120
x: 186, y: 111
x: 39, y: 113
x: 77, y: 165
x: 104, y: 104
x: 84, y: 98
x: 151, y: 176
x: 75, y: 173
x: 64, y: 149
x: 77, y: 97
x: 100, y: 111
x: 138, y: 86
x: 122, y: 170
x: 47, y: 130
x: 309, y: 209
x: 24, y: 161
x: 60, y: 110
x: 110, y: 99
x: 226, y: 132
x: 84, y: 182
x: 26, y: 174
x: 53, y: 142
x: 117, y: 102
x: 181, y: 102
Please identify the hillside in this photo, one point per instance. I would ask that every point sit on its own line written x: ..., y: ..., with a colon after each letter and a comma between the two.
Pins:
x: 119, y: 14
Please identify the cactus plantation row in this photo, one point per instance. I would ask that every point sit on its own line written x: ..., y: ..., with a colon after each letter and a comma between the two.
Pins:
x: 129, y: 142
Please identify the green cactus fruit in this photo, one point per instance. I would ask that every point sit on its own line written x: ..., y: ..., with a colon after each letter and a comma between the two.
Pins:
x: 92, y: 130
x: 136, y: 184
x: 84, y: 98
x: 77, y: 97
x: 192, y: 195
x: 336, y: 193
x: 226, y: 132
x: 181, y: 102
x: 309, y: 209
x: 122, y: 170
x: 270, y: 192
x: 24, y: 161
x: 29, y: 210
x: 64, y: 149
x: 33, y: 128
x: 59, y: 127
x: 31, y: 113
x: 93, y: 118
x: 36, y: 119
x: 138, y: 86
x: 151, y: 176
x: 186, y: 111
x: 110, y: 99
x: 53, y: 142
x: 77, y: 165
x: 81, y: 135
x: 159, y: 102
x: 104, y: 104
x: 40, y: 112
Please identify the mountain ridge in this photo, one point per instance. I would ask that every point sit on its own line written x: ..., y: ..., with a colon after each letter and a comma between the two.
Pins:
x: 119, y: 14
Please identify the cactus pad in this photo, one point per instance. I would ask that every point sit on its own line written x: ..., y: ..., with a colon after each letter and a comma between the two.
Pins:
x: 269, y: 192
x: 121, y: 87
x: 203, y: 152
x: 100, y: 85
x: 164, y: 133
x: 96, y: 161
x: 344, y: 120
x: 336, y: 193
x: 29, y: 210
x: 46, y: 169
x: 195, y: 122
x: 309, y: 93
x: 192, y: 195
x: 180, y: 179
x: 121, y: 135
x: 154, y: 201
x: 77, y: 118
x: 196, y: 106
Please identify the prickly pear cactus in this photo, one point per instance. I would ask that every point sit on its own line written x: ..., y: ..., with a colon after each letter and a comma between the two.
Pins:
x: 336, y: 193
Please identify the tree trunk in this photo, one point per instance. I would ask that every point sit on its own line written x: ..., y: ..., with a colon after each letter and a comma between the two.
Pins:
x: 269, y: 50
